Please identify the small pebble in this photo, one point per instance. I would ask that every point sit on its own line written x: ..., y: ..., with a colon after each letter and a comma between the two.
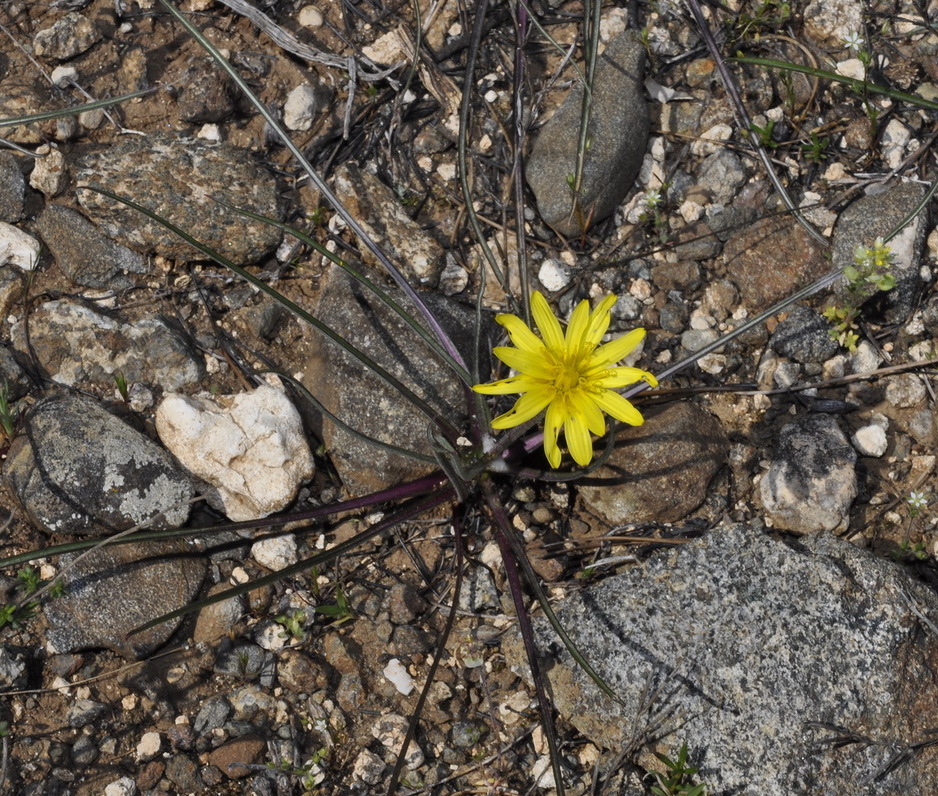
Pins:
x: 310, y: 17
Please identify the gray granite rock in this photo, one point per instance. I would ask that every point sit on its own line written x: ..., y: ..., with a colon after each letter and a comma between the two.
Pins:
x: 760, y: 655
x: 78, y: 345
x: 804, y: 336
x: 618, y: 131
x: 12, y: 188
x: 78, y: 469
x: 116, y: 589
x: 85, y: 255
x: 67, y: 37
x: 364, y: 401
x: 877, y: 216
x: 380, y: 212
x: 659, y: 471
x: 178, y: 179
x: 811, y: 481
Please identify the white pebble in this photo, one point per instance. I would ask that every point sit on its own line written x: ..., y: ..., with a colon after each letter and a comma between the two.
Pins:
x: 124, y: 786
x: 553, y: 275
x: 870, y: 441
x: 310, y: 17
x: 149, y: 746
x: 300, y: 108
x: 399, y: 676
x: 276, y: 553
x: 63, y: 75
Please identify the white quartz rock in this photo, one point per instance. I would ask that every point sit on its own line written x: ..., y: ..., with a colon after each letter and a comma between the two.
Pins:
x: 250, y: 447
x: 18, y: 248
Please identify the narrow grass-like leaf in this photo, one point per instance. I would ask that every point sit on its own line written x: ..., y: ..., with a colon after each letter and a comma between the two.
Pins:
x: 861, y: 87
x: 90, y: 106
x: 320, y: 184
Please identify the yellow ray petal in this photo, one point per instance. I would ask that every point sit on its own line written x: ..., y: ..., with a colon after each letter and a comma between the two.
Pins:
x: 584, y: 405
x: 547, y: 323
x: 617, y: 349
x: 618, y: 407
x: 526, y: 407
x: 599, y: 321
x: 578, y: 439
x: 520, y: 334
x: 525, y: 362
x: 553, y: 423
x: 577, y: 328
x: 507, y: 386
x: 613, y: 378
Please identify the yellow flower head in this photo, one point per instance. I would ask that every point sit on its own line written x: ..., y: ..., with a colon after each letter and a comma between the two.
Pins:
x: 568, y: 374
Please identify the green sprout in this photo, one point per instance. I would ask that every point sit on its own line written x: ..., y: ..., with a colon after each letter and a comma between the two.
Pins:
x: 8, y: 415
x: 816, y: 149
x: 120, y: 381
x: 765, y: 134
x: 293, y: 623
x: 678, y: 780
x: 341, y: 612
x: 870, y: 273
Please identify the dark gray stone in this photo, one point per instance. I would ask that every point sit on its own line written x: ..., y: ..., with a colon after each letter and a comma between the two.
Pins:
x: 117, y: 589
x: 811, y: 481
x: 618, y: 131
x: 758, y: 655
x: 364, y: 401
x: 804, y: 336
x: 659, y: 471
x: 877, y: 216
x: 206, y: 94
x: 77, y: 469
x: 83, y: 253
x: 213, y: 714
x: 12, y: 188
x: 85, y: 711
x: 178, y: 179
x: 244, y: 660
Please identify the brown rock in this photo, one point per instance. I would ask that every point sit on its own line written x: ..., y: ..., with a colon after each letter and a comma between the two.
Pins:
x: 236, y: 757
x: 659, y: 471
x: 772, y: 258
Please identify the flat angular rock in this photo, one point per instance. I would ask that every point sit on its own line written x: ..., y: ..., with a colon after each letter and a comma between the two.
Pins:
x: 178, y: 180
x: 618, y: 131
x: 364, y: 401
x: 250, y: 447
x: 67, y: 37
x: 78, y: 469
x: 12, y: 188
x: 77, y: 344
x: 759, y: 655
x: 85, y: 255
x: 382, y: 215
x: 117, y: 589
x: 659, y: 471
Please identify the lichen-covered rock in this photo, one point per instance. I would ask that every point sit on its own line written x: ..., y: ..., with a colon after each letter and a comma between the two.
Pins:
x: 811, y: 481
x: 759, y: 655
x: 78, y: 469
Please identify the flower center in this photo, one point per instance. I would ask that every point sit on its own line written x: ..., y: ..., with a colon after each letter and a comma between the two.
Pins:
x: 567, y: 375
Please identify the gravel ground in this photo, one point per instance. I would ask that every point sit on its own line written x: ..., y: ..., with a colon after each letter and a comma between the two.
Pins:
x: 299, y: 686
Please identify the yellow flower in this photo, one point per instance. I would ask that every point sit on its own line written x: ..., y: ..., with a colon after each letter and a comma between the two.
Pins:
x: 570, y: 375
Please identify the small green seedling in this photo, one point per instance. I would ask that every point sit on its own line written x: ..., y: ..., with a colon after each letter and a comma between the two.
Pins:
x: 120, y: 382
x: 871, y: 273
x: 765, y: 134
x: 293, y: 623
x: 8, y: 415
x: 678, y: 781
x: 341, y: 612
x: 816, y: 149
